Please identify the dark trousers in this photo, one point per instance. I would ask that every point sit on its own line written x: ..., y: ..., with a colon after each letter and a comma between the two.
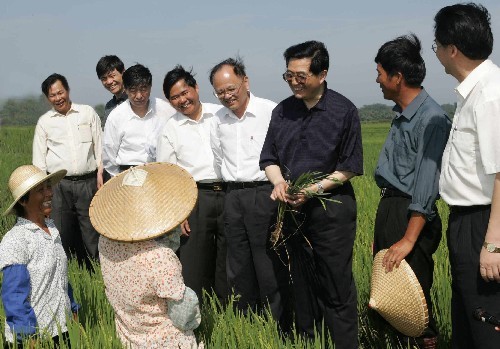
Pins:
x: 253, y: 269
x: 203, y: 253
x: 390, y: 226
x: 466, y: 232
x: 70, y: 212
x: 320, y: 253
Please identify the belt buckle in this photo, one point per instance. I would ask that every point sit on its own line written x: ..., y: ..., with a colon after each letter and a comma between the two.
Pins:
x: 382, y: 192
x: 217, y: 187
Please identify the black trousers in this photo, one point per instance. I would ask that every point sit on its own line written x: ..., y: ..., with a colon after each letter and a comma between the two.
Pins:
x: 253, y: 269
x: 320, y: 253
x: 70, y: 212
x: 466, y: 232
x: 203, y: 253
x: 390, y: 226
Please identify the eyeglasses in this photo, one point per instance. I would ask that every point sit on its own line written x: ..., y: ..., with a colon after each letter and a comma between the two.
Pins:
x: 299, y: 77
x: 230, y: 91
x: 435, y: 46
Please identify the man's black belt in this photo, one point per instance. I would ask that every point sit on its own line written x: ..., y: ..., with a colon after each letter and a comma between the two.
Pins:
x: 468, y: 209
x: 245, y: 185
x: 392, y: 192
x: 82, y: 177
x: 215, y: 186
x: 125, y: 167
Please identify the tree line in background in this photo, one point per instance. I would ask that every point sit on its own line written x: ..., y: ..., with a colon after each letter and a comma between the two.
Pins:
x: 26, y: 111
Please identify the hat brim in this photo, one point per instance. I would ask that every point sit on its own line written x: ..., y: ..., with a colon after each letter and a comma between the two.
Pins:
x: 398, y: 297
x: 163, y: 198
x: 54, y: 178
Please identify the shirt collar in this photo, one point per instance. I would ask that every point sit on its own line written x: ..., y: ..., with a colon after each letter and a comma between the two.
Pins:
x: 251, y: 110
x: 27, y: 224
x: 122, y: 98
x: 75, y: 108
x: 151, y: 109
x: 473, y: 78
x: 183, y: 119
x: 322, y: 100
x: 412, y: 108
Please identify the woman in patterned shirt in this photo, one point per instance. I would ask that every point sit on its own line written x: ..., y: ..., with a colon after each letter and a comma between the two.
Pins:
x: 36, y: 295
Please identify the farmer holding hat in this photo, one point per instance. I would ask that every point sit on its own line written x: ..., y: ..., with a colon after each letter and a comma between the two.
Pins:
x: 133, y: 212
x: 36, y: 294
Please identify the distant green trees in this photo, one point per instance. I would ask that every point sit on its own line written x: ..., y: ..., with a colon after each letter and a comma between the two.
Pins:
x: 25, y: 111
x: 378, y: 111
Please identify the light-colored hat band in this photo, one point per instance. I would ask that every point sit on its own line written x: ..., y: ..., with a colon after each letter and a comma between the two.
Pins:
x: 28, y: 184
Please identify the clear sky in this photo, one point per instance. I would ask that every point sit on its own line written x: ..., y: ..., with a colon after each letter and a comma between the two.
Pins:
x: 38, y: 38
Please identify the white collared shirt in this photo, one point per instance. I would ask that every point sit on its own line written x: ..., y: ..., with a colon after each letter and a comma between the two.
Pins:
x: 128, y: 137
x: 237, y: 143
x: 71, y: 142
x: 471, y: 158
x: 186, y: 143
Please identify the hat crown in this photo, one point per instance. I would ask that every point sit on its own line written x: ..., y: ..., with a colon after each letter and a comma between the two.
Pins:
x: 22, y: 177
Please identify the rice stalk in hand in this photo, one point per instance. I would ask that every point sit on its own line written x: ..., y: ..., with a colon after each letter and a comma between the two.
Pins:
x: 299, y: 187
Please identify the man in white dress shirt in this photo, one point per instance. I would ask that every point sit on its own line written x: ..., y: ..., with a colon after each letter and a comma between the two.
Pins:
x: 470, y: 171
x: 185, y: 141
x: 237, y: 135
x: 69, y: 137
x: 132, y: 128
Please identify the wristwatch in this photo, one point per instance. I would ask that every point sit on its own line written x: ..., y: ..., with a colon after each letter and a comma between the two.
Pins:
x: 491, y: 247
x: 321, y: 190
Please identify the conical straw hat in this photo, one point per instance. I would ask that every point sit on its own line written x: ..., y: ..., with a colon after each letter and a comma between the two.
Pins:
x: 143, y: 202
x: 26, y: 177
x: 398, y: 297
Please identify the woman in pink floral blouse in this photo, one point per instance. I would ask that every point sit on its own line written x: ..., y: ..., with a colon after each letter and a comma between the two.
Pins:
x: 135, y: 212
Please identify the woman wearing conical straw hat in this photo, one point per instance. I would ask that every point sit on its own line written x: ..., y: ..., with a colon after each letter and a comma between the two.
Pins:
x: 136, y: 213
x: 36, y: 295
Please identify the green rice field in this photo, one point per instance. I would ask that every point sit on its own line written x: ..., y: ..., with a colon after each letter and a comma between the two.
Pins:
x: 225, y: 328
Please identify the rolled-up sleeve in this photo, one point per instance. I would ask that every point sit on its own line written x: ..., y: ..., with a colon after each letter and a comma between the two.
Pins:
x: 431, y: 145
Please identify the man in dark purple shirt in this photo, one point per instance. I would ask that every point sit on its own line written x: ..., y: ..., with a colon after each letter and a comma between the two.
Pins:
x: 317, y: 129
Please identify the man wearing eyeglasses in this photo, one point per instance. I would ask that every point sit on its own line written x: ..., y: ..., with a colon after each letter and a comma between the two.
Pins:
x: 470, y: 172
x: 317, y: 129
x: 185, y: 141
x: 132, y: 128
x: 237, y: 134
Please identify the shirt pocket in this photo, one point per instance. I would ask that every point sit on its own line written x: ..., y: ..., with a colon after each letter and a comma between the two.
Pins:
x: 85, y: 133
x: 463, y: 149
x: 254, y: 146
x: 404, y: 159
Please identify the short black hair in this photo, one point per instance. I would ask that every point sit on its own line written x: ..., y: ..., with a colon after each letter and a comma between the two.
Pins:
x: 236, y: 63
x: 320, y: 60
x: 137, y: 76
x: 107, y: 64
x: 402, y: 55
x: 52, y: 79
x: 175, y: 75
x: 18, y: 208
x: 468, y: 27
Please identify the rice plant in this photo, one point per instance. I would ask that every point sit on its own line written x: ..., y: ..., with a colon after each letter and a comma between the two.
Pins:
x: 223, y: 327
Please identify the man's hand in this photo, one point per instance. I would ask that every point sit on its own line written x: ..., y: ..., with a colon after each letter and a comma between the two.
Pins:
x: 396, y: 253
x: 185, y: 229
x: 279, y: 191
x: 489, y: 265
